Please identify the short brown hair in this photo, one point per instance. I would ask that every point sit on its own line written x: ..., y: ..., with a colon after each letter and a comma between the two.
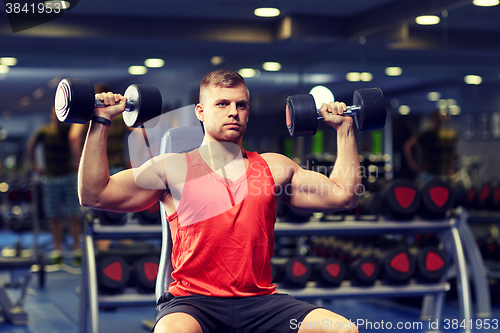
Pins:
x: 223, y: 78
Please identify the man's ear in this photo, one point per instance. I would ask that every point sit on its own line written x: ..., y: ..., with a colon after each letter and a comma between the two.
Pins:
x: 200, y: 112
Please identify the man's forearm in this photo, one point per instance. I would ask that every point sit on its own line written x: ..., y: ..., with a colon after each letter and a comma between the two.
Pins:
x: 346, y: 172
x: 93, y: 173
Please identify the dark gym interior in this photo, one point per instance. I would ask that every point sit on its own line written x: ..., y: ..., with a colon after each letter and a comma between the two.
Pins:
x: 421, y: 248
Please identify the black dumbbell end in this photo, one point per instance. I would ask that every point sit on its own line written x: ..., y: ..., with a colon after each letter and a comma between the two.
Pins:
x: 147, y: 105
x: 301, y: 115
x: 372, y: 111
x: 74, y: 101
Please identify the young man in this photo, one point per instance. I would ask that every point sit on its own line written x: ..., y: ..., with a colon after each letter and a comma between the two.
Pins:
x: 221, y: 204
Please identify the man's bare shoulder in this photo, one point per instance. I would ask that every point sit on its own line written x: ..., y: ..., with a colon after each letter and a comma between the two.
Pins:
x: 276, y: 160
x: 282, y: 168
x: 157, y: 172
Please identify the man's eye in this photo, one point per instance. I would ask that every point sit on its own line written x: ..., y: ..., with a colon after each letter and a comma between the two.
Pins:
x: 221, y: 104
x: 242, y: 105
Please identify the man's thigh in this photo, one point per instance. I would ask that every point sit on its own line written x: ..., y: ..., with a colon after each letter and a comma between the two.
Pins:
x: 178, y: 322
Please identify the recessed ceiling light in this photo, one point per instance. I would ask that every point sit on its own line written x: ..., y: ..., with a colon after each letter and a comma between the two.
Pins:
x: 366, y: 76
x: 353, y: 77
x: 427, y: 19
x: 57, y: 5
x: 137, y: 70
x: 154, y: 62
x: 266, y: 12
x: 486, y: 3
x: 473, y: 79
x: 455, y: 110
x: 217, y: 60
x: 271, y: 66
x: 404, y: 110
x: 393, y: 71
x: 433, y: 96
x: 8, y: 61
x: 249, y: 72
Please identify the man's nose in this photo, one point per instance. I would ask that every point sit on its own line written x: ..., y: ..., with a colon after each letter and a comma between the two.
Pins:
x: 232, y: 110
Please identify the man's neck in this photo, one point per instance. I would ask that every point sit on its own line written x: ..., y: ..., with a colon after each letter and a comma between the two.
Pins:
x: 220, y: 154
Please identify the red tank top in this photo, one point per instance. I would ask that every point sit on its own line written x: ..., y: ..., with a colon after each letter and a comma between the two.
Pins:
x: 223, y: 231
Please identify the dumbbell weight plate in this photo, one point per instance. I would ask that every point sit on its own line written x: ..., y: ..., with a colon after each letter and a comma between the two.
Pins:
x: 146, y: 271
x: 372, y: 112
x: 113, y: 273
x: 74, y: 90
x: 146, y: 106
x: 431, y: 264
x: 301, y: 115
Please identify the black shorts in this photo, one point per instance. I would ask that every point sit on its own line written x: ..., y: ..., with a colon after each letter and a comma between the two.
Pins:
x: 267, y: 313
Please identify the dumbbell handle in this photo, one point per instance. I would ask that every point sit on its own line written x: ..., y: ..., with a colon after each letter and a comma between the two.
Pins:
x: 100, y: 104
x: 351, y: 111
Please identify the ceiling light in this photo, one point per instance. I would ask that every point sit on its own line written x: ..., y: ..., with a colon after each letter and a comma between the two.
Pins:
x: 216, y: 60
x: 321, y: 95
x: 442, y: 103
x: 4, y: 69
x: 8, y: 61
x: 455, y: 110
x: 404, y: 110
x: 393, y: 71
x: 154, y: 63
x: 427, y: 20
x: 366, y: 77
x: 353, y: 77
x: 271, y: 66
x: 56, y: 4
x: 137, y: 70
x: 433, y: 96
x: 249, y: 72
x: 485, y: 3
x: 4, y: 187
x: 473, y: 79
x: 266, y: 12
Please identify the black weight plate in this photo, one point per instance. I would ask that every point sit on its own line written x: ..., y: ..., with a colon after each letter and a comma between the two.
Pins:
x: 297, y: 271
x: 365, y: 271
x: 437, y: 197
x: 372, y: 112
x: 113, y: 273
x: 398, y: 265
x: 332, y: 271
x: 74, y: 101
x: 431, y: 264
x: 301, y: 115
x: 147, y: 106
x: 401, y: 198
x: 146, y: 271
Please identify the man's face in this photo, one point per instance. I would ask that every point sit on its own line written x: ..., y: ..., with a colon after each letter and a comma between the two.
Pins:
x: 224, y: 112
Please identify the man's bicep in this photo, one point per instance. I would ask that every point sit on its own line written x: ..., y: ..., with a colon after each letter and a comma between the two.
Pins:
x: 123, y: 193
x: 311, y: 190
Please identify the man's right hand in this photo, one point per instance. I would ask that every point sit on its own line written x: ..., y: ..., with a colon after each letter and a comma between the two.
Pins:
x: 116, y: 105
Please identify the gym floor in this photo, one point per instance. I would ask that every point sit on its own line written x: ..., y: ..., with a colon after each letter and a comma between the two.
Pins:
x: 56, y: 307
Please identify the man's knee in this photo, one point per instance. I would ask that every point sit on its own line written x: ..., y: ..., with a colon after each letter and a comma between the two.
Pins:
x: 322, y: 320
x: 178, y: 323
